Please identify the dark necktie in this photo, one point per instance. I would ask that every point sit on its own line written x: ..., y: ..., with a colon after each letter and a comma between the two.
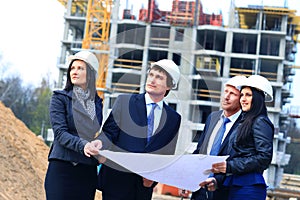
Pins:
x: 218, y: 140
x: 151, y: 121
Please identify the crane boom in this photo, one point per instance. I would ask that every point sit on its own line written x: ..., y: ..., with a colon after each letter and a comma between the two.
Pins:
x: 96, y: 37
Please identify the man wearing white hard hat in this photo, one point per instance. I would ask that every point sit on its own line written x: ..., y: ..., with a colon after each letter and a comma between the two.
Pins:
x: 76, y: 117
x: 252, y: 142
x: 231, y: 109
x: 140, y: 123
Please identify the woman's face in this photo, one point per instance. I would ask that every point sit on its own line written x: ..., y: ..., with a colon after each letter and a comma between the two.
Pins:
x: 78, y: 73
x: 246, y: 99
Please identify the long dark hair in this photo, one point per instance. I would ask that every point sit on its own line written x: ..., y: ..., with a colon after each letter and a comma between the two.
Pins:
x: 258, y: 107
x: 90, y: 79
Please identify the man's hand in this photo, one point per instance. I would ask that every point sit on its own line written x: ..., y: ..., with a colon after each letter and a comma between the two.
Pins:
x: 147, y: 182
x: 183, y: 193
x: 210, y: 184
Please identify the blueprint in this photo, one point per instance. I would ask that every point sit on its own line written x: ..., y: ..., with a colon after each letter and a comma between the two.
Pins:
x: 182, y: 171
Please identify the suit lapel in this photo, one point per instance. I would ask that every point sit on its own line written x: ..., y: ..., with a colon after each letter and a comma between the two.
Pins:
x: 213, y: 121
x: 139, y: 113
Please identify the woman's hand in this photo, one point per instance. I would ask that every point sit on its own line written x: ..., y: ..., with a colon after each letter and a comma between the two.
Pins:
x: 219, y: 167
x: 92, y: 148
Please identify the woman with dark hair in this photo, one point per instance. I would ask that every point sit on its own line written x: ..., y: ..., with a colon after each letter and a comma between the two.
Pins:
x: 252, y: 143
x: 76, y: 118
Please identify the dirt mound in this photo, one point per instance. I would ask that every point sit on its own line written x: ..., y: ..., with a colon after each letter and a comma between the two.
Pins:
x: 23, y: 159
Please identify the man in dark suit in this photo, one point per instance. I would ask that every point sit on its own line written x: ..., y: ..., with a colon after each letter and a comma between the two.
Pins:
x: 231, y: 109
x: 127, y: 129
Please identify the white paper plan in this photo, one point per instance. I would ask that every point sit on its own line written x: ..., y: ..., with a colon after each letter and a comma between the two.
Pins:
x: 182, y: 171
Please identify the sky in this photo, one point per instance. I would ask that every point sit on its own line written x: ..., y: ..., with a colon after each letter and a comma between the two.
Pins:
x: 30, y: 38
x: 32, y: 30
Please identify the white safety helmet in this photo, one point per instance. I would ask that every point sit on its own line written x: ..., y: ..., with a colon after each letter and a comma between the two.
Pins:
x: 237, y: 81
x: 87, y: 57
x: 261, y: 83
x: 171, y: 68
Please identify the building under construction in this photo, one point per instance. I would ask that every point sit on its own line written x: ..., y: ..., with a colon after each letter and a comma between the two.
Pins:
x: 258, y: 40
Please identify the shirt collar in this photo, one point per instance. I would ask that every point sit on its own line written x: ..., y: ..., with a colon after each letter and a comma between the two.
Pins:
x: 233, y: 117
x: 149, y: 101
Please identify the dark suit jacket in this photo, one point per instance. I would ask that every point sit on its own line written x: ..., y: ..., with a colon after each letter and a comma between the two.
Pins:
x: 126, y: 130
x: 225, y: 149
x: 67, y: 144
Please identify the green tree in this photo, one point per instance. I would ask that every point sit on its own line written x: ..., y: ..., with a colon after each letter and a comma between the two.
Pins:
x: 29, y: 104
x: 40, y: 115
x: 15, y: 96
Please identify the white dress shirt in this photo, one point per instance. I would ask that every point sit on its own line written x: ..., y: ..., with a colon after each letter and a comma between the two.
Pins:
x: 157, y: 110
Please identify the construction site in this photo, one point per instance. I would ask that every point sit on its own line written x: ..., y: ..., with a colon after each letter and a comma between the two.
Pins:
x: 258, y: 39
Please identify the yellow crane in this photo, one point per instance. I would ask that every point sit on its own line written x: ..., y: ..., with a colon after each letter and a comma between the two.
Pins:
x: 96, y: 36
x: 96, y: 33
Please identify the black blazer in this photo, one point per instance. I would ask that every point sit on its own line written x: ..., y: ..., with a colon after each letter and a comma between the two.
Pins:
x: 126, y: 130
x: 67, y: 144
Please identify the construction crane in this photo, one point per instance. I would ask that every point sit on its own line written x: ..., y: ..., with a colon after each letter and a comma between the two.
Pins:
x: 96, y: 36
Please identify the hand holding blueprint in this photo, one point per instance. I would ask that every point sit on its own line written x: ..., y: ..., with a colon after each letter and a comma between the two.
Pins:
x: 182, y: 171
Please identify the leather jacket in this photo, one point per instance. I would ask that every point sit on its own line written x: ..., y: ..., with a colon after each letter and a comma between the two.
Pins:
x: 256, y: 155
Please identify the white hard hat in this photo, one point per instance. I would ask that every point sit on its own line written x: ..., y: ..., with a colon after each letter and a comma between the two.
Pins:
x: 171, y: 68
x: 261, y: 83
x: 236, y: 81
x: 87, y: 57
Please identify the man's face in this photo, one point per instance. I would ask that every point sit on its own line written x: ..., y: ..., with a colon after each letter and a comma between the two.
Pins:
x: 231, y: 100
x: 156, y: 84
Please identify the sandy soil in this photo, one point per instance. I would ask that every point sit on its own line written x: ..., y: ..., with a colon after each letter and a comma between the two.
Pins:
x: 23, y: 159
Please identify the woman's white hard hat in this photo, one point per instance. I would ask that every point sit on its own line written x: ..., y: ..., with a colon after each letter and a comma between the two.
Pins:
x: 171, y: 68
x: 87, y: 57
x: 261, y: 83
